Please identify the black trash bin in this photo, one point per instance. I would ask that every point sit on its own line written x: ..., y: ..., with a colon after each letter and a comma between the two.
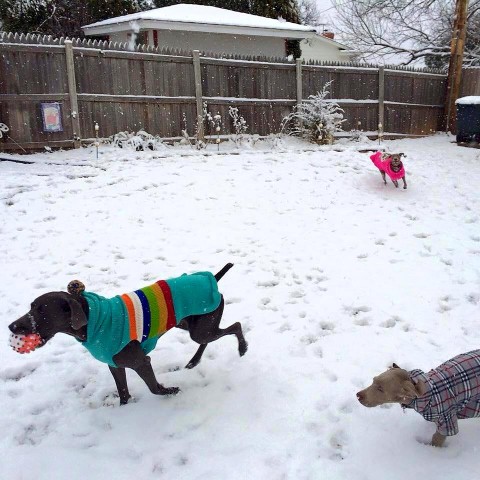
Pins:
x: 468, y: 119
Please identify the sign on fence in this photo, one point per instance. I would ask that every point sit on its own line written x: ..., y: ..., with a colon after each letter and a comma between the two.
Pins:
x: 51, y: 117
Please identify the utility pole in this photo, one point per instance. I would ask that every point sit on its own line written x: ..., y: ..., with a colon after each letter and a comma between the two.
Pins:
x: 456, y: 58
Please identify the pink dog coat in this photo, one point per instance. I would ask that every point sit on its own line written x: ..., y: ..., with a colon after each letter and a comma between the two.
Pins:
x: 384, y: 165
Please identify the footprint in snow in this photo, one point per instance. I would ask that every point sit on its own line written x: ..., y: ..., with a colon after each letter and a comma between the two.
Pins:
x: 473, y: 298
x: 354, y: 311
x: 391, y: 322
x: 285, y: 327
x: 421, y: 235
x: 330, y: 375
x: 327, y: 326
x: 318, y: 352
x: 362, y: 322
x: 309, y: 339
x: 337, y: 442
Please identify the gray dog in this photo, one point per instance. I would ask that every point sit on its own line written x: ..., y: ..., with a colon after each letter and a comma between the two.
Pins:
x: 443, y: 395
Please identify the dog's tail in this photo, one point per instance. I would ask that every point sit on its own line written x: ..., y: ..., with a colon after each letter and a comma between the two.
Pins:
x: 223, y: 271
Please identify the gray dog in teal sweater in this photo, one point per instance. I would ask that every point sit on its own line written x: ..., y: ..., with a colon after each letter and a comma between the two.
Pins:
x: 122, y: 330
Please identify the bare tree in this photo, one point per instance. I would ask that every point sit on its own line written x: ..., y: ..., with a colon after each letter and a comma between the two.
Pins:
x: 309, y: 14
x: 402, y: 31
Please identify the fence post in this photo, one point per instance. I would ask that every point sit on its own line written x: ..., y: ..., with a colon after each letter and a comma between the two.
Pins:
x: 72, y: 91
x: 197, y: 71
x: 381, y: 102
x: 299, y: 80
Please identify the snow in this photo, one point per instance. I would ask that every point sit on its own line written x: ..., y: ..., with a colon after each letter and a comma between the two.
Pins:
x: 336, y: 276
x: 470, y: 100
x: 202, y: 14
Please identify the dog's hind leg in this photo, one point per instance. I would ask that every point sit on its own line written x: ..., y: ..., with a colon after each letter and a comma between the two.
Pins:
x: 205, y: 329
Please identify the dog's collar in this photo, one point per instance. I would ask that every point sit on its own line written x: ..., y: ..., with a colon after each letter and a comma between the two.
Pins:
x: 419, y: 404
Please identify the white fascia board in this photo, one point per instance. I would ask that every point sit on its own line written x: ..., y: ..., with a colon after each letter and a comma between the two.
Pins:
x: 196, y: 27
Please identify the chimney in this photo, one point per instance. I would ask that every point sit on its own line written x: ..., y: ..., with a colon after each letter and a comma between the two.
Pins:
x: 328, y: 34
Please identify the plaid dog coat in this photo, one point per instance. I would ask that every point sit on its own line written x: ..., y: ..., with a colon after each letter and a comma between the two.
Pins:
x: 146, y: 314
x: 453, y: 392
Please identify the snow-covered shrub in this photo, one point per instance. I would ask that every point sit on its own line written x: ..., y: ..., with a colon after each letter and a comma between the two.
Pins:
x: 212, y: 124
x: 239, y: 125
x: 138, y: 141
x: 358, y: 136
x: 315, y: 119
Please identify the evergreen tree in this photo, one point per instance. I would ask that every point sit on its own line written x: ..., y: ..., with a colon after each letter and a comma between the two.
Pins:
x: 62, y: 17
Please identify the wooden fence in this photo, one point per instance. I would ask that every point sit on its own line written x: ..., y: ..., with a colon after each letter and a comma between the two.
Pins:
x: 470, y: 81
x: 157, y: 91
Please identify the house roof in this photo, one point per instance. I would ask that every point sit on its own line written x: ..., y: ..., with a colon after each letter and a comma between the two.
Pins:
x: 202, y: 19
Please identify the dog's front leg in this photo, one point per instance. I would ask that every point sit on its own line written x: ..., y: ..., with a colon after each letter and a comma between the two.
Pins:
x: 404, y: 183
x: 145, y: 371
x: 438, y: 439
x: 395, y: 183
x: 132, y: 356
x: 120, y: 378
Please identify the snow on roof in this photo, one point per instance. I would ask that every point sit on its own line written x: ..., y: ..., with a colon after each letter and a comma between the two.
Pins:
x: 472, y: 100
x: 187, y: 13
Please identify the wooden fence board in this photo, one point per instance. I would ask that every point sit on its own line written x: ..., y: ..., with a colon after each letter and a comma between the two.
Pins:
x: 129, y: 91
x: 470, y: 82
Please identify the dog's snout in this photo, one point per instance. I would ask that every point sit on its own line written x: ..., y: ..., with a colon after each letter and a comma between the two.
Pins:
x: 360, y: 396
x: 15, y: 328
x: 21, y: 326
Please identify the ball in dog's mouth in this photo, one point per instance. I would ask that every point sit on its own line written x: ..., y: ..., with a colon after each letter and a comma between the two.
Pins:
x: 25, y: 343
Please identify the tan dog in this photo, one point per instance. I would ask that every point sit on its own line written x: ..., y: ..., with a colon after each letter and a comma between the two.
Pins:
x: 443, y: 395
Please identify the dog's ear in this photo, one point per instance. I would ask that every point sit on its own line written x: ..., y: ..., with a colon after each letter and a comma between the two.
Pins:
x: 408, y: 391
x: 78, y: 319
x: 394, y: 365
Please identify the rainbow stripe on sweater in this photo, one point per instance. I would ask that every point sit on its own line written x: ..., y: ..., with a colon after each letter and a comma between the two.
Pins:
x: 150, y: 311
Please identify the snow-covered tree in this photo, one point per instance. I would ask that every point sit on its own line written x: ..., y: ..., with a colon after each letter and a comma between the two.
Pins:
x: 402, y: 31
x: 308, y: 12
x: 62, y: 17
x: 315, y: 119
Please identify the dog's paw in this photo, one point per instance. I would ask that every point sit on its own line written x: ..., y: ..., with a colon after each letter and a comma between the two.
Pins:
x: 169, y: 390
x: 426, y: 441
x: 242, y: 348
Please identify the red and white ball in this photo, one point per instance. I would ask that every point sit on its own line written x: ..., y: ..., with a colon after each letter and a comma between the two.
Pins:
x: 25, y: 343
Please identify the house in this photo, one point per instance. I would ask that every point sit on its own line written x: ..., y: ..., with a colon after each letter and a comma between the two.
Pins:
x: 213, y: 30
x: 322, y: 47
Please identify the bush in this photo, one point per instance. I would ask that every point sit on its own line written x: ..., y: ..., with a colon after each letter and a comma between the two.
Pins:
x: 315, y: 119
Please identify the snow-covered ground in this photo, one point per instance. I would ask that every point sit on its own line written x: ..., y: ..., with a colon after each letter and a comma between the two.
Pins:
x: 335, y: 277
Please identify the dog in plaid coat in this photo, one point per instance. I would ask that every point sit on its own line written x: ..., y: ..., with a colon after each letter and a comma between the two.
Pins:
x: 443, y: 395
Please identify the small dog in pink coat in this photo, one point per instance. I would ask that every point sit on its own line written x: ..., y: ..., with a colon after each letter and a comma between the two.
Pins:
x: 390, y: 164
